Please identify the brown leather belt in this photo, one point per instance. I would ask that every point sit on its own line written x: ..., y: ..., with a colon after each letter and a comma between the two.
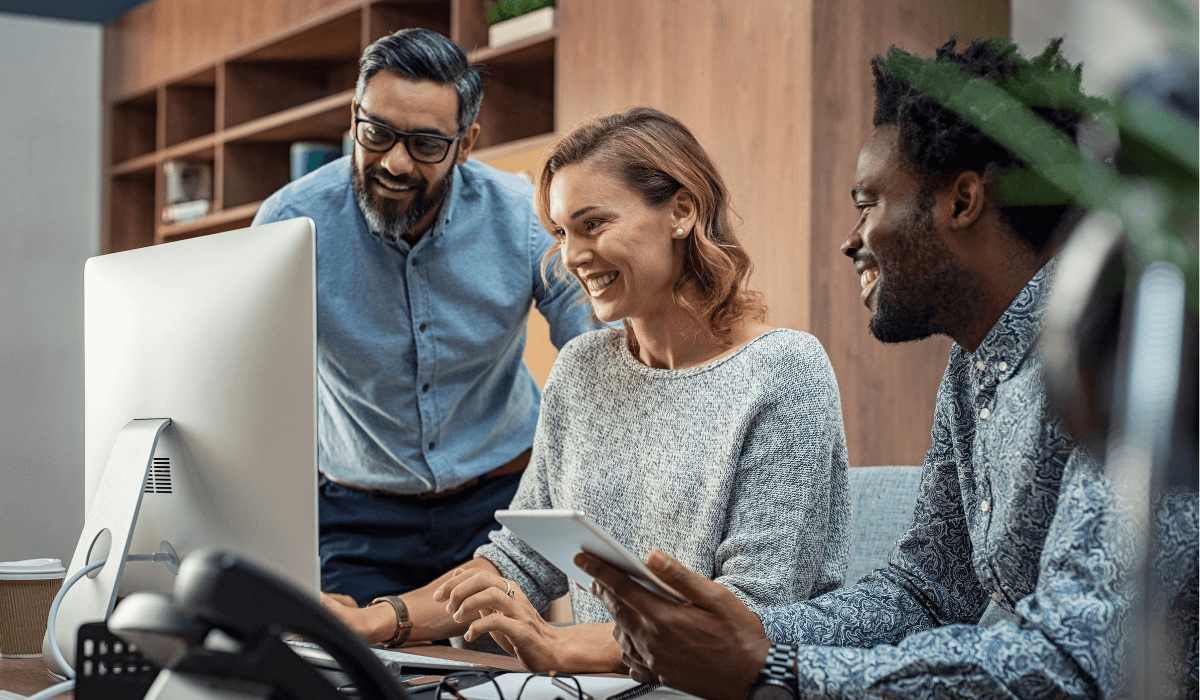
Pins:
x: 512, y: 466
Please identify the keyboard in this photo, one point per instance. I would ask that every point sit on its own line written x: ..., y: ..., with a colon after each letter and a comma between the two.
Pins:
x: 398, y: 662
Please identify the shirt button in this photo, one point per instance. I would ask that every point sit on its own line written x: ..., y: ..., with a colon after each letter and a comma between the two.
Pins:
x: 415, y: 262
x: 998, y: 597
x: 985, y: 506
x: 432, y: 445
x: 1003, y: 366
x: 983, y: 412
x: 424, y: 388
x: 422, y: 329
x: 979, y: 365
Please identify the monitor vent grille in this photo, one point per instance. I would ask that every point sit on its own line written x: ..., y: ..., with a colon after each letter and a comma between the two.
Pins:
x: 159, y: 480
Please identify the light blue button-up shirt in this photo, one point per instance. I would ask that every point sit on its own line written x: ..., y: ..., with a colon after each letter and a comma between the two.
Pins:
x: 420, y: 373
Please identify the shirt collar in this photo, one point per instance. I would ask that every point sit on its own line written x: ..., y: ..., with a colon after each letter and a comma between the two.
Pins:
x: 447, y: 212
x: 1010, y: 341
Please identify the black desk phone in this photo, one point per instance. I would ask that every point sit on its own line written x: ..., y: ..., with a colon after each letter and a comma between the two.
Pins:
x: 219, y: 636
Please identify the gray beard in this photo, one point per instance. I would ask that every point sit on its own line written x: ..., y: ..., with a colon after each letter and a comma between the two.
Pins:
x: 384, y: 216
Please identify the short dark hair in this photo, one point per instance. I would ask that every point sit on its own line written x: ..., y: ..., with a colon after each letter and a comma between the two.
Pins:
x: 939, y: 144
x: 421, y: 54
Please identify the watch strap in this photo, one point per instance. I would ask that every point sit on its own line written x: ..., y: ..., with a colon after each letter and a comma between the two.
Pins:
x: 778, y: 671
x: 403, y: 625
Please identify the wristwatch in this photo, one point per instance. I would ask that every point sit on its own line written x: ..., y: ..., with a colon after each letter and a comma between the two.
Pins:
x: 777, y: 680
x: 403, y: 626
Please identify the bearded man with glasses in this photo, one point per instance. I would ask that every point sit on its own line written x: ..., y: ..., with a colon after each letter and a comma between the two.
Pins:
x: 427, y: 265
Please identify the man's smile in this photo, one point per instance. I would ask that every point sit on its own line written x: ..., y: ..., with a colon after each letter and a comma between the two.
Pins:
x: 869, y: 279
x: 392, y: 187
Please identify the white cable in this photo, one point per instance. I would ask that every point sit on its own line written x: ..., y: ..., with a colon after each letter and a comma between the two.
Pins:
x: 52, y: 618
x: 53, y: 690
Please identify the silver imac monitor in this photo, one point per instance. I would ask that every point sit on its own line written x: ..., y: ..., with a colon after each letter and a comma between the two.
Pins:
x: 200, y: 412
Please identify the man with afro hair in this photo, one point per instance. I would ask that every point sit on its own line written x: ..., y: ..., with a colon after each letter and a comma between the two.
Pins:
x: 1008, y: 582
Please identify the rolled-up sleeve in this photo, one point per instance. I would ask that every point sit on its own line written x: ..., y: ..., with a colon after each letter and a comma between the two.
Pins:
x: 1070, y: 640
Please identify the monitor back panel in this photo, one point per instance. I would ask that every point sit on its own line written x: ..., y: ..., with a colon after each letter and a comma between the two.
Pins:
x: 218, y: 334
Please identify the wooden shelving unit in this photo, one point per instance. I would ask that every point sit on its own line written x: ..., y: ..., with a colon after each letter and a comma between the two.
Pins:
x: 239, y: 111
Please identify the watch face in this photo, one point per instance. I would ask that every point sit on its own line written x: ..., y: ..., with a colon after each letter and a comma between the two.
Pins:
x: 771, y: 690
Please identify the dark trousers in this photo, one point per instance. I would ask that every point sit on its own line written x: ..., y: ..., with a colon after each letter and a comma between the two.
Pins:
x: 375, y: 544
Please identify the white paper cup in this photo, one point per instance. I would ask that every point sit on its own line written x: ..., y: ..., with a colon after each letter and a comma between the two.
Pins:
x: 27, y: 589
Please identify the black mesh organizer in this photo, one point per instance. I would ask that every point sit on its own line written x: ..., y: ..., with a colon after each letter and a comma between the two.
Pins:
x: 108, y: 668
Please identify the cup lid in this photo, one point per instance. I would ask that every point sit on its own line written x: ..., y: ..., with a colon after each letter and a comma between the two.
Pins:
x: 31, y: 569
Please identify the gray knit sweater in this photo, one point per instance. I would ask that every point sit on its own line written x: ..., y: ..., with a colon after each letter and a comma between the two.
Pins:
x: 737, y: 468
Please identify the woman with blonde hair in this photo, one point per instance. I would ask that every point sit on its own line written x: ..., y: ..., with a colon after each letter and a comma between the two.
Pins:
x: 696, y: 429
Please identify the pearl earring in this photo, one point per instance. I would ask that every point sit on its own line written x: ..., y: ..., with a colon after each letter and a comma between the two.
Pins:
x: 679, y: 233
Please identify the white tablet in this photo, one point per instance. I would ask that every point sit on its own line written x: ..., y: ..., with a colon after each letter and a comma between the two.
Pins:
x: 558, y: 535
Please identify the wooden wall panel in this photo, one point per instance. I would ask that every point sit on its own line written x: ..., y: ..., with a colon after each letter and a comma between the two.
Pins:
x: 737, y: 74
x: 887, y: 390
x: 161, y: 39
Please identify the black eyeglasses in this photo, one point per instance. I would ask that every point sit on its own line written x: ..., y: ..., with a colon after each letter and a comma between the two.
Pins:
x: 567, y: 684
x: 379, y: 138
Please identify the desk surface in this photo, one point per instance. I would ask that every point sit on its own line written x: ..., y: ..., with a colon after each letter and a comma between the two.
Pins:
x: 27, y: 676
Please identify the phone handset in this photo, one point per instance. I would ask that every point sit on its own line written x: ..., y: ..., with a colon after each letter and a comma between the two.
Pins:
x: 221, y: 630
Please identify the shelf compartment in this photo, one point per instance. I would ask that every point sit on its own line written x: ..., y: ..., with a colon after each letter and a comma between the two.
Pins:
x: 134, y: 127
x: 132, y: 211
x: 324, y: 119
x: 253, y: 171
x: 310, y: 64
x: 226, y: 220
x: 518, y: 91
x: 255, y: 90
x: 387, y: 17
x: 191, y: 108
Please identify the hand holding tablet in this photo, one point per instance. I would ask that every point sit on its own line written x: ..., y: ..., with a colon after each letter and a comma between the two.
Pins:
x: 558, y: 535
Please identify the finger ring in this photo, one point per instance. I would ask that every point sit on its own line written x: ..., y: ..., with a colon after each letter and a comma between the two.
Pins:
x: 510, y: 590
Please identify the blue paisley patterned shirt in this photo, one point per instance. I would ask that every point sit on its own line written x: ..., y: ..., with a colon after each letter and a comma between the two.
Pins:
x: 1010, y: 511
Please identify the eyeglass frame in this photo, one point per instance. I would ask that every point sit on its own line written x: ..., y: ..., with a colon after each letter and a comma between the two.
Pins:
x: 490, y: 676
x: 398, y: 136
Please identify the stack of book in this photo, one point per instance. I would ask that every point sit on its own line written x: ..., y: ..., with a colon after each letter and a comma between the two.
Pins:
x: 189, y: 191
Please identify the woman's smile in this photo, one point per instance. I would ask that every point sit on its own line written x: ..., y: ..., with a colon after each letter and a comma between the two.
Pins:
x: 596, y: 284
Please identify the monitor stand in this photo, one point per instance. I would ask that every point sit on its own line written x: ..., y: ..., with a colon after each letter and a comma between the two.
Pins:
x: 108, y: 530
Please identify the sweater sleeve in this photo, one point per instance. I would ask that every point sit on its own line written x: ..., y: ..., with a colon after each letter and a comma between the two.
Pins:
x: 787, y: 536
x: 540, y: 581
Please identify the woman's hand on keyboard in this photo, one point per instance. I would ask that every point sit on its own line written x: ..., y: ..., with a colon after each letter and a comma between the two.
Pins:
x: 482, y: 598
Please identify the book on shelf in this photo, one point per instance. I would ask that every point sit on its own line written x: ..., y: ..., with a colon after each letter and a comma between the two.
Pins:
x: 521, y: 27
x: 183, y: 212
x: 188, y: 191
x: 307, y: 156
